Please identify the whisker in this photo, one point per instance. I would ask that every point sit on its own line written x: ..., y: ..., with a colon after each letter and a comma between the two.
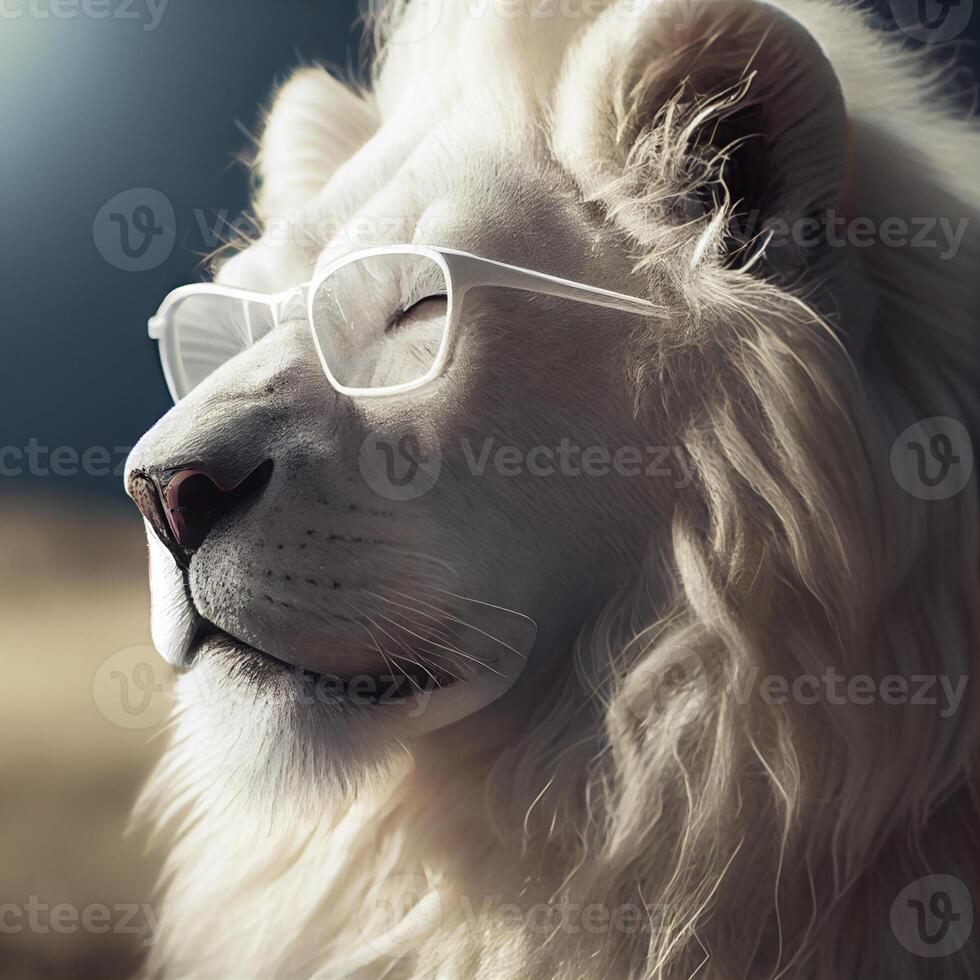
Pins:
x: 452, y: 650
x: 489, y: 636
x: 372, y: 637
x: 440, y: 624
x: 415, y: 658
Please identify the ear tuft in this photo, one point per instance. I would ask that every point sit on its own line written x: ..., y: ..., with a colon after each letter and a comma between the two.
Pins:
x: 720, y: 122
x: 316, y: 123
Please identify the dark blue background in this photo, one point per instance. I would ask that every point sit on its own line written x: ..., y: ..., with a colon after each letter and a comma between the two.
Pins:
x: 91, y: 108
x: 94, y: 107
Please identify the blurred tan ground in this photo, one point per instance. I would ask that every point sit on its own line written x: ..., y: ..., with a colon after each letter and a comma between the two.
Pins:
x: 72, y: 754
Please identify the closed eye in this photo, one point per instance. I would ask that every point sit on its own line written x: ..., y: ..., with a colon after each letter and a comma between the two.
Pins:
x: 427, y: 308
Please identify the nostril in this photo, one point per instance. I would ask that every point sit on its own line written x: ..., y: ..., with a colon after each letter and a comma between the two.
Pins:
x: 183, y: 505
x: 193, y: 501
x: 192, y: 504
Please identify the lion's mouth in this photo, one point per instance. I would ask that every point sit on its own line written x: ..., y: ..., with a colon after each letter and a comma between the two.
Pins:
x: 403, y: 681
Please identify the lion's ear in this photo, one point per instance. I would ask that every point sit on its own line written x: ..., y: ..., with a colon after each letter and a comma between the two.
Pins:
x: 721, y: 117
x: 316, y: 123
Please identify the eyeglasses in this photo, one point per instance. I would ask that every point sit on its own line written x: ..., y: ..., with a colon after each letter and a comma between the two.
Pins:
x: 384, y: 320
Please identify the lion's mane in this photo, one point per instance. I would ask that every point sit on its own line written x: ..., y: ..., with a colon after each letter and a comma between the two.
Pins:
x: 759, y: 840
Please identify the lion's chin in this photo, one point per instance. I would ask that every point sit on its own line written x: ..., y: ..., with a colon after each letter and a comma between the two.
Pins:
x: 258, y: 733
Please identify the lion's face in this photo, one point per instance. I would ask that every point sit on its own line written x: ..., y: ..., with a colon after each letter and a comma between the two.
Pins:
x: 522, y: 517
x: 413, y: 541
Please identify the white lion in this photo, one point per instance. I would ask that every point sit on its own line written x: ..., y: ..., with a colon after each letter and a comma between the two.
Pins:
x: 633, y: 796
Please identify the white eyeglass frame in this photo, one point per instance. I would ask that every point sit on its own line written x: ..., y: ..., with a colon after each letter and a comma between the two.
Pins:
x: 462, y: 271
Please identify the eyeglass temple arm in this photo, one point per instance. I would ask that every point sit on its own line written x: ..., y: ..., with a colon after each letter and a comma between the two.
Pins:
x: 489, y: 273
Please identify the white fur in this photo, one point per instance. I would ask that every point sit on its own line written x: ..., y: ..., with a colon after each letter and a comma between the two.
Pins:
x: 758, y: 841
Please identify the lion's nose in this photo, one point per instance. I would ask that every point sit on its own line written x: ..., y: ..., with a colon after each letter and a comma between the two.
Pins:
x: 183, y: 504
